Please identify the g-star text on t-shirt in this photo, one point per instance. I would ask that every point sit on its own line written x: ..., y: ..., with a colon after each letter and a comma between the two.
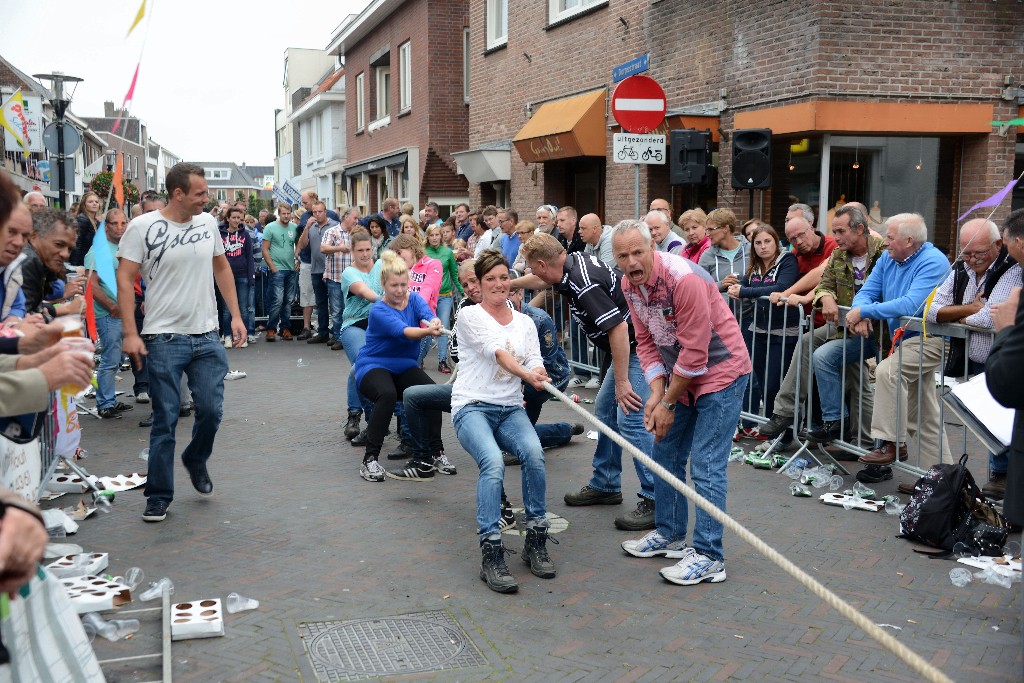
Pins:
x: 159, y: 243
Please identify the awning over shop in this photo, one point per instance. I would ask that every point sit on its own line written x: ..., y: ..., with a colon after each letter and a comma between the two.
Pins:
x: 871, y: 117
x: 573, y: 127
x: 377, y: 164
x: 485, y: 165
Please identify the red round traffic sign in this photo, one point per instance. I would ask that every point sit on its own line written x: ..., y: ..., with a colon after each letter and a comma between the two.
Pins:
x: 639, y: 104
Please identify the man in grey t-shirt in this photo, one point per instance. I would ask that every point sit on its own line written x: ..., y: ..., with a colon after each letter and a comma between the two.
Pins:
x: 311, y: 237
x: 179, y: 253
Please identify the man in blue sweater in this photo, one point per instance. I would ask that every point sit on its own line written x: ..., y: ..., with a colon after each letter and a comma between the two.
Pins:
x: 898, y: 285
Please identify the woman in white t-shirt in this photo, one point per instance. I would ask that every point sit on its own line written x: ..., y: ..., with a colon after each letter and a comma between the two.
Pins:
x: 498, y: 351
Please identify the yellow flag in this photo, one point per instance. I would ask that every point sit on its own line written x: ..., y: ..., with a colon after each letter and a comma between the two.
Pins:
x: 12, y: 118
x: 924, y: 316
x: 138, y: 18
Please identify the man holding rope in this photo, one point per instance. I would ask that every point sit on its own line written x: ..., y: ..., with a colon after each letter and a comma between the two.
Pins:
x: 697, y: 365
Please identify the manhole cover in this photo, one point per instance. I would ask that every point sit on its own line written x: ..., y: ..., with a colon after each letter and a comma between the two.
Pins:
x: 557, y: 524
x: 408, y: 643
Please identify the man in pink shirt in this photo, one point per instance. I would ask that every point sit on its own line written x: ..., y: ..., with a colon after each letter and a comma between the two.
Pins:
x: 696, y: 363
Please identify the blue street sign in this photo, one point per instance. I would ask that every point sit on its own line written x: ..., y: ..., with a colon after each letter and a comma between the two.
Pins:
x: 630, y: 68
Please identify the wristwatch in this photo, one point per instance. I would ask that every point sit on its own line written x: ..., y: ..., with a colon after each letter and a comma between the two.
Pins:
x: 670, y: 407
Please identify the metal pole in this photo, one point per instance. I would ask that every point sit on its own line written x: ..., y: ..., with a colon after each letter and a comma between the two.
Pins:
x: 636, y: 191
x: 58, y: 89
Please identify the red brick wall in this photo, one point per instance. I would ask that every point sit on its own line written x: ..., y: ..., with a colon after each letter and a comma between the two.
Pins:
x: 764, y: 54
x: 436, y: 121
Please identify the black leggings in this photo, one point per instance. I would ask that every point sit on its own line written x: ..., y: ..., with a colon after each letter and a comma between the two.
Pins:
x: 383, y: 389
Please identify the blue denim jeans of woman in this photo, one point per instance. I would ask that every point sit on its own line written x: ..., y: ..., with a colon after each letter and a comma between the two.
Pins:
x: 485, y: 430
x: 336, y: 307
x: 701, y: 434
x: 243, y: 288
x: 279, y: 310
x: 353, y: 339
x: 551, y: 435
x: 771, y: 359
x: 250, y: 325
x: 202, y: 358
x: 752, y: 399
x: 607, y: 475
x: 444, y: 314
x: 109, y: 330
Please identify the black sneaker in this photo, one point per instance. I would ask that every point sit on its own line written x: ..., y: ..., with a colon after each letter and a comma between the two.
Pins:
x: 146, y: 421
x: 122, y: 407
x: 403, y: 452
x: 589, y: 496
x: 200, y: 479
x: 414, y: 470
x: 305, y: 334
x: 535, y: 552
x: 577, y: 429
x: 775, y: 426
x: 510, y: 459
x: 508, y: 518
x: 360, y: 439
x: 872, y: 474
x: 156, y: 510
x: 317, y: 339
x: 352, y: 426
x: 494, y: 570
x: 185, y: 410
x: 640, y: 519
x: 829, y: 431
x: 109, y: 413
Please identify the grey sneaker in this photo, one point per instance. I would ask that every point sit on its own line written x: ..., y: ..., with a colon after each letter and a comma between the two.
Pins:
x: 510, y: 459
x: 372, y: 471
x: 590, y: 496
x: 655, y: 544
x: 640, y: 519
x: 443, y: 465
x: 694, y: 568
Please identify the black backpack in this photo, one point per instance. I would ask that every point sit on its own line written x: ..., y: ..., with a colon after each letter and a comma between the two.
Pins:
x: 948, y: 509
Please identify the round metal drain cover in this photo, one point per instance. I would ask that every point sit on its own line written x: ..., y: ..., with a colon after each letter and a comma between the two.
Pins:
x: 370, y: 647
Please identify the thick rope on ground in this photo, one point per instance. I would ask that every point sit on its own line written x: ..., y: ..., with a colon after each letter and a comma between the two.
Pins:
x: 912, y: 659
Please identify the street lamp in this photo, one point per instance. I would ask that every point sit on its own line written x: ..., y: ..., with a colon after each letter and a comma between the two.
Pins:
x: 111, y: 157
x: 60, y: 106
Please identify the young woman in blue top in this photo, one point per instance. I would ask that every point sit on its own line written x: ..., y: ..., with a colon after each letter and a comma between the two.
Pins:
x: 388, y: 363
x: 775, y: 330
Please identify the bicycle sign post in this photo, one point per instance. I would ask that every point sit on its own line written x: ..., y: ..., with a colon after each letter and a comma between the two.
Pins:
x: 639, y: 105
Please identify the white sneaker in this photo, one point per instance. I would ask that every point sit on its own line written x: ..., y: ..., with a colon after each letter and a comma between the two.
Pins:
x: 655, y: 544
x: 235, y: 374
x: 245, y: 344
x: 142, y: 397
x: 227, y: 341
x: 251, y: 339
x: 592, y: 383
x: 372, y: 471
x: 694, y: 568
x: 577, y: 383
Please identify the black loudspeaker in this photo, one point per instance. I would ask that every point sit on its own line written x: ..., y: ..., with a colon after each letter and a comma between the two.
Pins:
x: 752, y: 159
x: 689, y: 157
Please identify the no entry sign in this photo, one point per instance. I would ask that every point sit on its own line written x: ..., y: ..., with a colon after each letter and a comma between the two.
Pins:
x: 639, y: 104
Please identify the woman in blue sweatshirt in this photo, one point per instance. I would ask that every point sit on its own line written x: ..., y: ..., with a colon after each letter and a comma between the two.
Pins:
x: 238, y: 250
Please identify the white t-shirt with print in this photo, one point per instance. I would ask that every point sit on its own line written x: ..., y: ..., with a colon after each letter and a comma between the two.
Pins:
x: 176, y: 261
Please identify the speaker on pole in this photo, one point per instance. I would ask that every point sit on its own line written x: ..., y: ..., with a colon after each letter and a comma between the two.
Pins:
x: 752, y: 159
x: 689, y: 157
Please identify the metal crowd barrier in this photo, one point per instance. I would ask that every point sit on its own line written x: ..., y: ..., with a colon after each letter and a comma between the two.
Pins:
x: 582, y: 354
x: 49, y: 459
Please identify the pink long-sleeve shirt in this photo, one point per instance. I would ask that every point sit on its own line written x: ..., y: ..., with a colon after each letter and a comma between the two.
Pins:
x: 425, y: 279
x: 684, y: 327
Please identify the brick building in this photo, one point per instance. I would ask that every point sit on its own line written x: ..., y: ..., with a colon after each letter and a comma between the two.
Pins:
x: 405, y: 107
x: 875, y: 101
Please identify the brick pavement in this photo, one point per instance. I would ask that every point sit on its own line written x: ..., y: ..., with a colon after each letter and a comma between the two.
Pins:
x: 294, y: 526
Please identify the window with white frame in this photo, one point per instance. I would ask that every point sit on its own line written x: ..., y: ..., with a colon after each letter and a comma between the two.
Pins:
x: 383, y: 92
x: 465, y: 65
x: 497, y: 23
x: 563, y: 9
x: 360, y: 106
x: 318, y: 134
x: 404, y: 76
x: 217, y: 173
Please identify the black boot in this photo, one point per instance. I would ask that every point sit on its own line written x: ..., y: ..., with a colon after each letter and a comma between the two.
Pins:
x: 493, y: 570
x: 535, y: 552
x: 352, y: 426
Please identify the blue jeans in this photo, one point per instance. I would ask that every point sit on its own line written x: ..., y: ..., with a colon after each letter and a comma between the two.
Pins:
x: 829, y: 366
x: 420, y: 404
x: 608, y: 454
x: 203, y: 360
x: 109, y: 330
x: 771, y: 358
x: 279, y: 310
x: 702, y: 435
x: 250, y: 308
x: 336, y: 305
x: 243, y: 291
x: 353, y: 339
x: 484, y: 430
x: 320, y: 292
x: 550, y: 435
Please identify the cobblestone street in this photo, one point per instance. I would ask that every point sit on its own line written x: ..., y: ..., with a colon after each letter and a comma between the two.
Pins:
x: 294, y: 526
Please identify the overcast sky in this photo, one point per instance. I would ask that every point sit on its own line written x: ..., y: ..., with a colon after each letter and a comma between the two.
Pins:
x: 211, y: 73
